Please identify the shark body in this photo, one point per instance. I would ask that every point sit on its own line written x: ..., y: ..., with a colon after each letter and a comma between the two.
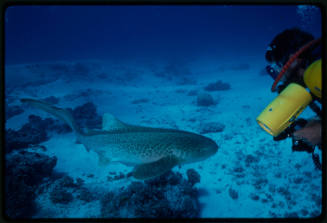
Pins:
x: 152, y: 151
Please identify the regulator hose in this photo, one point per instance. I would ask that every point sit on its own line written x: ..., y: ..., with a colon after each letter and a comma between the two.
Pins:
x: 291, y: 60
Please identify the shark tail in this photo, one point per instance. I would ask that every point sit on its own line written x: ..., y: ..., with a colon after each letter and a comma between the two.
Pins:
x: 60, y: 113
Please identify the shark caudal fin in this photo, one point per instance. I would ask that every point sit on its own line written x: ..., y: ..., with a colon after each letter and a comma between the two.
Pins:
x: 60, y: 113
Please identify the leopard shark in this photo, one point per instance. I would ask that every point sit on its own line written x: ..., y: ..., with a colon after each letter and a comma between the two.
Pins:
x: 152, y: 151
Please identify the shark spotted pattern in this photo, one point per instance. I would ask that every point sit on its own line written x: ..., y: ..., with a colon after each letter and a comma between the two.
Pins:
x: 152, y: 151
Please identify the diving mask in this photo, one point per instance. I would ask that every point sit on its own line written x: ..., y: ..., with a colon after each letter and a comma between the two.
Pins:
x: 273, y: 70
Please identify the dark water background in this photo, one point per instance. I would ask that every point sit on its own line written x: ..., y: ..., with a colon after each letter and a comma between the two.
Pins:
x: 43, y: 33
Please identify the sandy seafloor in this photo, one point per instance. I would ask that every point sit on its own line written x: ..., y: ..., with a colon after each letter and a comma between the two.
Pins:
x: 169, y: 106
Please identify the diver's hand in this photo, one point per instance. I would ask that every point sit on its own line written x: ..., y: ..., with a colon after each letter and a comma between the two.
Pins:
x: 288, y: 132
x: 310, y: 133
x: 285, y: 134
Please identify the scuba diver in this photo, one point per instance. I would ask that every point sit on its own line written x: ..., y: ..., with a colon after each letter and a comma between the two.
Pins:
x: 295, y: 62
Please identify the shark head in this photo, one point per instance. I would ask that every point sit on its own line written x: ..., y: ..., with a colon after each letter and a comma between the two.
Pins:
x: 206, y: 148
x: 198, y: 148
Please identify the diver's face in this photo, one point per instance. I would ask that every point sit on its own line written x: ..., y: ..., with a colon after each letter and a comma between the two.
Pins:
x: 273, y: 70
x: 294, y: 69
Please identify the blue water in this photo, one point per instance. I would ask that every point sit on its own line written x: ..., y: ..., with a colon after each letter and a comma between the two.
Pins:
x: 148, y: 66
x: 84, y: 32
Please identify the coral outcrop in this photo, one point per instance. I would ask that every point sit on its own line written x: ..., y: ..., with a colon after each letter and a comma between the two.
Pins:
x: 167, y: 196
x: 25, y: 171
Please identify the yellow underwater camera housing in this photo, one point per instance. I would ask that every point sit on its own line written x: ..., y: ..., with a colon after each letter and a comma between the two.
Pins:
x: 312, y: 78
x: 290, y: 103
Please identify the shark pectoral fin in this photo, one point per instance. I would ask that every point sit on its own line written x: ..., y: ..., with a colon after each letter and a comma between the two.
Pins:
x: 149, y: 170
x: 103, y: 160
x: 87, y: 148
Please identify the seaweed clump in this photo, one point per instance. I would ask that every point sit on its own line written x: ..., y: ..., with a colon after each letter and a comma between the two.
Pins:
x: 193, y: 176
x: 86, y: 116
x: 65, y: 189
x: 12, y: 111
x: 37, y: 129
x: 211, y: 127
x: 218, y: 86
x: 167, y: 196
x: 33, y: 132
x: 205, y: 100
x: 25, y: 172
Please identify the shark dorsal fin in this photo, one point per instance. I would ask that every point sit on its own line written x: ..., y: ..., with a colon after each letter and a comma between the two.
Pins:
x: 111, y: 123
